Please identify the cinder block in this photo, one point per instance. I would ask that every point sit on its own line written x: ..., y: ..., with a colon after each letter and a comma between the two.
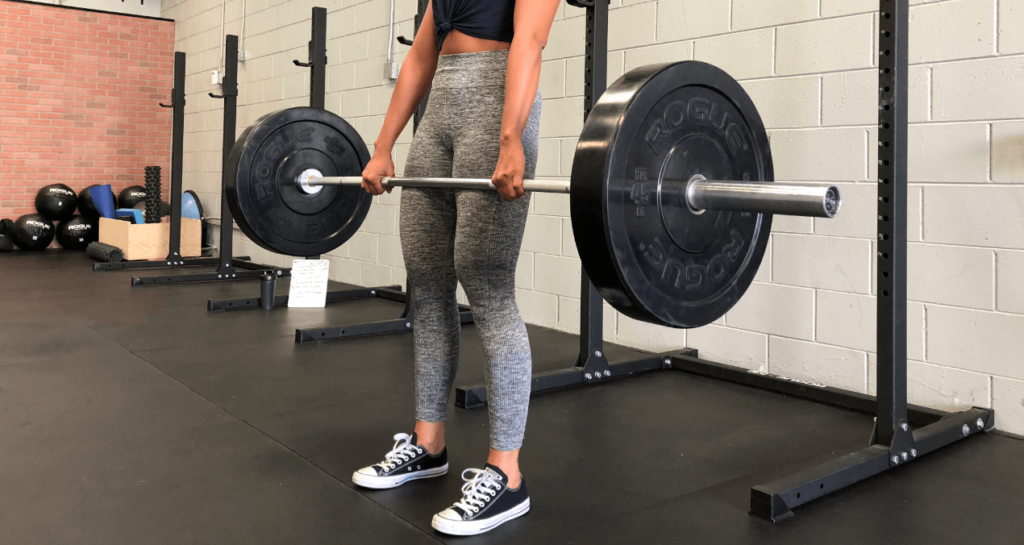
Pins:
x: 340, y: 77
x: 648, y: 337
x: 764, y: 272
x: 684, y: 19
x: 776, y: 310
x: 818, y: 363
x: 524, y: 271
x: 538, y: 308
x: 551, y: 204
x: 951, y: 275
x: 915, y: 201
x: 996, y: 224
x: 1008, y: 152
x: 352, y: 48
x: 568, y: 154
x: 657, y: 54
x: 1008, y: 402
x: 975, y: 340
x: 345, y: 270
x: 841, y: 264
x: 993, y: 91
x: 339, y: 23
x: 372, y: 14
x: 748, y: 14
x: 370, y: 73
x: 381, y: 220
x: 543, y: 235
x: 819, y: 154
x: 825, y: 46
x: 938, y: 387
x: 858, y: 216
x: 363, y: 247
x: 731, y: 346
x: 846, y: 319
x: 948, y: 153
x: 1010, y: 281
x: 569, y: 317
x: 835, y: 8
x: 548, y: 158
x: 378, y: 41
x: 372, y: 274
x: 632, y: 26
x: 557, y: 275
x: 787, y: 102
x: 744, y: 55
x: 565, y: 39
x: 354, y: 103
x: 380, y: 99
x: 569, y: 248
x: 398, y: 276
x: 562, y: 117
x: 552, y: 79
x: 389, y: 251
x: 972, y: 22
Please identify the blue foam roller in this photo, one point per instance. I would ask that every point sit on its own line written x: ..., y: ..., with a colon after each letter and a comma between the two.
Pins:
x: 133, y: 213
x: 103, y: 199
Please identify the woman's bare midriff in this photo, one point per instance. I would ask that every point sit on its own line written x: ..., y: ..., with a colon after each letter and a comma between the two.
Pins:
x: 456, y: 43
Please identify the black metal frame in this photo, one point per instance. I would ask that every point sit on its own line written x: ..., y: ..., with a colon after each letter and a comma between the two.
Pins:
x: 902, y: 432
x: 173, y: 258
x: 228, y: 269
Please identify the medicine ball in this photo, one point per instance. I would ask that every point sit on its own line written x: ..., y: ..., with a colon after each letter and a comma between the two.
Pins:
x: 5, y: 226
x: 56, y: 201
x: 5, y: 244
x: 77, y: 232
x: 33, y: 232
x: 85, y: 204
x: 131, y: 196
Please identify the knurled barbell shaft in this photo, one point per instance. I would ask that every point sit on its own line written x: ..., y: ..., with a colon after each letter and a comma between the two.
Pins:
x: 810, y: 200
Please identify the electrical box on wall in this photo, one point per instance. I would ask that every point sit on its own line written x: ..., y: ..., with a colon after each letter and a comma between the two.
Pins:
x: 216, y: 77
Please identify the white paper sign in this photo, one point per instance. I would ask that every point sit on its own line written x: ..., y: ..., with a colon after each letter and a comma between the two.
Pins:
x: 308, y: 287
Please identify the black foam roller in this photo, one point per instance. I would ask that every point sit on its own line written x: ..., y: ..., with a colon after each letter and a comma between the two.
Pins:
x: 104, y: 252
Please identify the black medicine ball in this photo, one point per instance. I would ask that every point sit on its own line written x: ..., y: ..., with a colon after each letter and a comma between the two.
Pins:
x: 5, y: 244
x: 131, y: 196
x: 77, y: 232
x: 33, y: 232
x: 56, y: 201
x: 85, y: 204
x: 5, y: 226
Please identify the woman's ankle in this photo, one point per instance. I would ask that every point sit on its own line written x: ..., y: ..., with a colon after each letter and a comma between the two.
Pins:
x: 430, y: 435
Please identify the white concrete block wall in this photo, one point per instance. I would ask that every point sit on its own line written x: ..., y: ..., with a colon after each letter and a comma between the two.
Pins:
x: 810, y: 67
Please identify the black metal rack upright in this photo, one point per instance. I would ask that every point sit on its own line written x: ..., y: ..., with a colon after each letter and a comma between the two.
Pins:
x: 903, y: 432
x: 228, y: 266
x: 174, y: 258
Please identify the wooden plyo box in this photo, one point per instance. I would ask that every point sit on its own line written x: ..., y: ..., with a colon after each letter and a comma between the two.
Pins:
x: 151, y: 240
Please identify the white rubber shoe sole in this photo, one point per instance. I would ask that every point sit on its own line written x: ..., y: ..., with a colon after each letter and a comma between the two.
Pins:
x: 391, y: 481
x: 475, y: 527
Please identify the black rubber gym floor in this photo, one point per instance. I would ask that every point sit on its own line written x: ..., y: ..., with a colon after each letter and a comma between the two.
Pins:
x: 132, y: 415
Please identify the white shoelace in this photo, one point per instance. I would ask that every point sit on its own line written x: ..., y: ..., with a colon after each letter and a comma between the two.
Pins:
x: 402, y: 452
x: 480, y: 487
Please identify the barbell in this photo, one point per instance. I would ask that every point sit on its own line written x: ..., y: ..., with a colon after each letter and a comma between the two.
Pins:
x: 671, y: 193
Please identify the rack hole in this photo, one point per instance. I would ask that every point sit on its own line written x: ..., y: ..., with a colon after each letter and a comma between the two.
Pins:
x: 885, y: 255
x: 885, y: 199
x: 885, y: 274
x: 885, y: 293
x: 885, y: 218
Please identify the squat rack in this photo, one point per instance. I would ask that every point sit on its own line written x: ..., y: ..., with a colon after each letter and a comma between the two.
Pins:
x: 902, y: 432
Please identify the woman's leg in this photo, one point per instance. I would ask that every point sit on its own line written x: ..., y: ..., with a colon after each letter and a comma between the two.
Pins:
x: 427, y: 228
x: 488, y: 239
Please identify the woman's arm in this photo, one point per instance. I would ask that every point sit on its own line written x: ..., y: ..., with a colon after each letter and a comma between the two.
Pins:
x: 412, y: 85
x: 533, y: 19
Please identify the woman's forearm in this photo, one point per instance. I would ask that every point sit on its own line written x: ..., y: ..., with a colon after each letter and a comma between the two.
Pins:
x: 522, y: 76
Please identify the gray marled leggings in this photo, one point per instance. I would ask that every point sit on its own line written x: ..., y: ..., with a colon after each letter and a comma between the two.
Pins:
x: 471, y: 237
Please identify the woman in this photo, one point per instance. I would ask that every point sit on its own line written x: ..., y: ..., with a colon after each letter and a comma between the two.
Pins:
x: 481, y: 62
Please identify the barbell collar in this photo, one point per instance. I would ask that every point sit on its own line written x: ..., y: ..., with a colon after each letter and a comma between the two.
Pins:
x: 811, y: 200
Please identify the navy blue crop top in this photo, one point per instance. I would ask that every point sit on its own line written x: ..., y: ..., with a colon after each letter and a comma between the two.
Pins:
x: 484, y: 19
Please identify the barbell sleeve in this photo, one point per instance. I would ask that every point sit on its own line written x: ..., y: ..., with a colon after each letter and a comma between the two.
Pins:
x: 810, y: 200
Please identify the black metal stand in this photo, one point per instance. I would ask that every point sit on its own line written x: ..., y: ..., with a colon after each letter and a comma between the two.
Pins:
x: 228, y: 266
x: 894, y: 442
x: 903, y: 432
x: 174, y: 258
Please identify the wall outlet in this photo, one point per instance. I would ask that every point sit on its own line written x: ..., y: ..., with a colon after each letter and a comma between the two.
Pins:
x: 215, y: 77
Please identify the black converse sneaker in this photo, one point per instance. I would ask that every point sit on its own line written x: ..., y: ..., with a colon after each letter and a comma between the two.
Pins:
x: 487, y: 502
x: 406, y: 462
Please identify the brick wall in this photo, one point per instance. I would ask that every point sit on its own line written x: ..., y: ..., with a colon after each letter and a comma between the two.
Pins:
x: 810, y: 66
x: 78, y: 100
